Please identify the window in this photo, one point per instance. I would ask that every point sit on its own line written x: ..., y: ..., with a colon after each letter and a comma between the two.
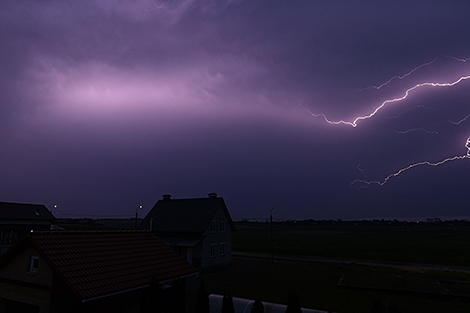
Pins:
x: 33, y: 264
x: 213, y: 226
x: 222, y: 248
x: 213, y: 250
x: 222, y: 226
x: 14, y: 236
x: 9, y: 237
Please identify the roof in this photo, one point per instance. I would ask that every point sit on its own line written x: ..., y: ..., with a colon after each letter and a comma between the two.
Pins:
x: 100, y: 263
x: 184, y: 215
x: 25, y: 211
x: 180, y: 241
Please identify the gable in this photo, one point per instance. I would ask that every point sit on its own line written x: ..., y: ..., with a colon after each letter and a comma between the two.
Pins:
x: 18, y: 268
x: 184, y: 215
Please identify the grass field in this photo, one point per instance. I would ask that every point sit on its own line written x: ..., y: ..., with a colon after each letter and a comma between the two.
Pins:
x: 429, y: 247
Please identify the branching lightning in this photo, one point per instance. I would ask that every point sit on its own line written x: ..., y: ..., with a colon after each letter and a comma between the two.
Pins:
x: 362, y: 171
x: 354, y: 122
x: 462, y: 120
x: 417, y: 129
x: 361, y: 183
x: 414, y: 70
x: 407, y: 110
x: 381, y: 183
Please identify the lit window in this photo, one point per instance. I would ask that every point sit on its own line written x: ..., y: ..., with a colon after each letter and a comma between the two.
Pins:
x: 13, y: 237
x: 222, y: 248
x: 213, y: 226
x: 222, y: 226
x: 33, y: 264
x: 213, y: 250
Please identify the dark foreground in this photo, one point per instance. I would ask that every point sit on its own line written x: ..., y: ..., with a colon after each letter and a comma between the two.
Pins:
x: 340, y: 287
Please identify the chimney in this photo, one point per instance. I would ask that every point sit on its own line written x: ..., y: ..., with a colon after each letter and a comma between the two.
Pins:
x: 166, y: 197
x: 151, y: 224
x: 212, y: 195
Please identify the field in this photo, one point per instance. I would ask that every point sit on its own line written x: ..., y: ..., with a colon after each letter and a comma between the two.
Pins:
x: 348, y: 286
x: 428, y: 244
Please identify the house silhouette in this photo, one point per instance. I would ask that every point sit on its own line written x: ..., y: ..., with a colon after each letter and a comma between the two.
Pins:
x: 88, y: 271
x: 19, y: 219
x: 200, y: 229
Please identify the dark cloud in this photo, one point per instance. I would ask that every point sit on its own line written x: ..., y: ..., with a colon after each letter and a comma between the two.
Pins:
x: 106, y: 106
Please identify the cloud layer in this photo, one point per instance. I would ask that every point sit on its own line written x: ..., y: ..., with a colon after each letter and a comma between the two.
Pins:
x: 107, y: 105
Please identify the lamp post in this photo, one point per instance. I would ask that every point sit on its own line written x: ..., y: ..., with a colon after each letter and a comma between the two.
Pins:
x: 137, y: 215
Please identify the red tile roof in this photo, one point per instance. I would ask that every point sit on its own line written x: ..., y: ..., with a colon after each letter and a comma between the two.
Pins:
x: 99, y: 263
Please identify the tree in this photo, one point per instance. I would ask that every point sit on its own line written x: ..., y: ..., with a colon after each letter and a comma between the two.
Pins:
x: 227, y: 304
x: 257, y: 307
x: 202, y: 301
x: 293, y: 304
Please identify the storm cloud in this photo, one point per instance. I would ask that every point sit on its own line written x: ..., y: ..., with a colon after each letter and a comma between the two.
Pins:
x: 105, y: 106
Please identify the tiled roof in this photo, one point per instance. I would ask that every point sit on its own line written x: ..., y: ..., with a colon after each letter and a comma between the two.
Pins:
x: 184, y: 215
x: 99, y: 263
x: 24, y: 211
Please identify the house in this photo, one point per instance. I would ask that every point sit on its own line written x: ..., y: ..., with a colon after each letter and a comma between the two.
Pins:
x: 200, y: 229
x: 89, y: 271
x: 19, y: 219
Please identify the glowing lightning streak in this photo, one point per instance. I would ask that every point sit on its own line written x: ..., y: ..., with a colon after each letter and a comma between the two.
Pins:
x: 403, y: 76
x: 414, y: 70
x: 377, y: 109
x: 407, y: 92
x: 362, y: 171
x: 417, y: 129
x: 459, y: 157
x: 407, y: 110
x: 458, y: 123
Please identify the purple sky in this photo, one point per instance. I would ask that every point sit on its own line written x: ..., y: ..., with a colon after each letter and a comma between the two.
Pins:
x: 107, y: 105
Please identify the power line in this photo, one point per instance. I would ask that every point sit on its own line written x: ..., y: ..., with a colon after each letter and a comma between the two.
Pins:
x: 94, y: 215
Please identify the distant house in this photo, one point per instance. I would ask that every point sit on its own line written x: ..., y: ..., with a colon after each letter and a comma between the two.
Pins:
x: 200, y: 229
x: 88, y: 271
x: 19, y: 219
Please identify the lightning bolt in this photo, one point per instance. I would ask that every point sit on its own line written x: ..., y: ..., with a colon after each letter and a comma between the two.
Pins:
x: 414, y: 70
x: 407, y: 110
x: 462, y: 120
x: 386, y: 179
x: 354, y: 123
x: 362, y: 171
x: 417, y: 129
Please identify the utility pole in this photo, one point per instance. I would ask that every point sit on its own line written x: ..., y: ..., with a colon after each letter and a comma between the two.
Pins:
x: 137, y: 215
x: 272, y: 240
